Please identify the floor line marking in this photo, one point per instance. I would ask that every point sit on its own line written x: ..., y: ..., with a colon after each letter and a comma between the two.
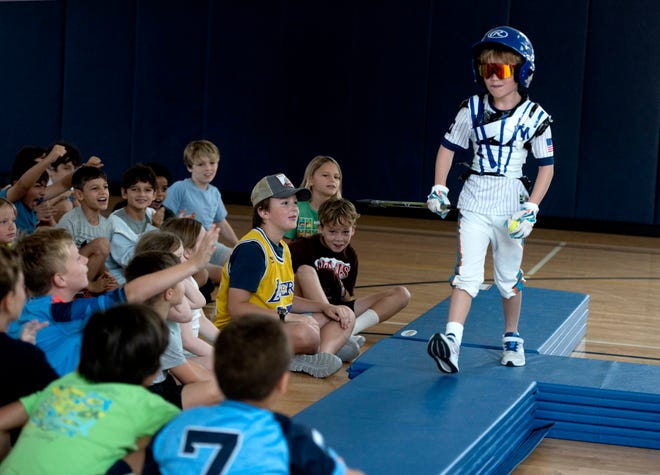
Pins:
x: 547, y: 258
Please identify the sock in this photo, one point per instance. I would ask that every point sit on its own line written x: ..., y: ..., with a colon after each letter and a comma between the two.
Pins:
x: 455, y: 329
x: 365, y: 320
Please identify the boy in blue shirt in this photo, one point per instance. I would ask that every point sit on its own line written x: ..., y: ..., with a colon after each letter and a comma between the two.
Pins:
x: 197, y: 195
x: 55, y: 273
x: 242, y: 434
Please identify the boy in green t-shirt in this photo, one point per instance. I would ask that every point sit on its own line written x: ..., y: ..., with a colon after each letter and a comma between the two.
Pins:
x: 87, y: 420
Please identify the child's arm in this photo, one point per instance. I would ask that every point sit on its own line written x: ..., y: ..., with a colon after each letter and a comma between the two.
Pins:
x: 194, y: 296
x: 227, y: 233
x: 30, y: 177
x: 207, y: 330
x: 180, y: 313
x: 194, y: 344
x: 543, y: 180
x: 340, y: 313
x: 190, y: 372
x: 63, y: 185
x: 239, y: 305
x: 147, y: 286
x: 12, y: 416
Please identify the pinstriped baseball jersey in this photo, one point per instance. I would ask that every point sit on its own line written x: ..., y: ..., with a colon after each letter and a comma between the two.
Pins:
x: 275, y: 289
x: 501, y: 141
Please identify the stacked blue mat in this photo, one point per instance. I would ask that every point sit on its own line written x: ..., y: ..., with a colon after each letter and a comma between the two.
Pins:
x: 399, y: 414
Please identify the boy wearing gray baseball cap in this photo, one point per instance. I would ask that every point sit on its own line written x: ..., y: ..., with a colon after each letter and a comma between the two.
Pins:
x: 259, y: 279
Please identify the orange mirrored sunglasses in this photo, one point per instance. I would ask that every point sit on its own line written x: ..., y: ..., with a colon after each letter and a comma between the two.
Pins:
x: 502, y: 71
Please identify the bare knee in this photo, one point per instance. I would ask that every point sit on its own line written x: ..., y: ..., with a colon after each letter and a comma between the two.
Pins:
x: 303, y: 337
x: 402, y: 294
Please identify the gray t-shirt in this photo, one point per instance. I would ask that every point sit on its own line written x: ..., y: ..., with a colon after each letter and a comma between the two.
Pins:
x: 75, y: 222
x: 173, y: 355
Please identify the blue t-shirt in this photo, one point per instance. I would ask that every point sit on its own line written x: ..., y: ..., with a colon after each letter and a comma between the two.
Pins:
x: 234, y: 437
x: 26, y: 218
x: 207, y: 204
x: 61, y: 339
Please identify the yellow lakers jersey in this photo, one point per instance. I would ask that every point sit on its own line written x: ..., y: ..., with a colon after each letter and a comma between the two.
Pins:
x: 276, y: 287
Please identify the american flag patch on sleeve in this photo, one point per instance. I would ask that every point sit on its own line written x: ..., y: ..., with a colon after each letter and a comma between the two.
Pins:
x: 548, y: 145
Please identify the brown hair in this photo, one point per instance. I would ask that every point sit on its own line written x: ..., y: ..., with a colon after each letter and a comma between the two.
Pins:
x: 251, y: 355
x: 157, y: 240
x: 10, y: 270
x: 187, y: 229
x: 338, y: 211
x: 499, y: 55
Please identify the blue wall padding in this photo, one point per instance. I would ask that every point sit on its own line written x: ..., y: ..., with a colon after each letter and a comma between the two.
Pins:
x: 98, y: 90
x: 31, y: 46
x: 277, y: 83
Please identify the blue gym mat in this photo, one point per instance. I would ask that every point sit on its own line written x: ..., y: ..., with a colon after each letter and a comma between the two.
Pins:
x: 399, y: 414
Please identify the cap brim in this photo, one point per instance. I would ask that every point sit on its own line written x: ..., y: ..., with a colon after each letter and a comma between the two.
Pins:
x: 303, y: 194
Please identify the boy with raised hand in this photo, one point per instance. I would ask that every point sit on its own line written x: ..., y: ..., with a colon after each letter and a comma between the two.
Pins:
x: 29, y: 190
x: 85, y: 421
x: 326, y: 267
x: 258, y: 278
x: 199, y: 196
x: 55, y: 272
x: 496, y: 209
x: 242, y: 434
x: 90, y: 230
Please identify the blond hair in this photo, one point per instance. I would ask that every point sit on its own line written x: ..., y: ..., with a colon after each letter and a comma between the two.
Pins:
x: 316, y: 163
x: 44, y: 253
x: 8, y: 204
x: 198, y: 148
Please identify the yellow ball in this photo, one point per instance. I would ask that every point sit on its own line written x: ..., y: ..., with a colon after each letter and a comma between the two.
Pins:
x: 513, y: 225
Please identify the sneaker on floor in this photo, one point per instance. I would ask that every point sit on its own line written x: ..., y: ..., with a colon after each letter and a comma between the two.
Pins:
x: 513, y: 353
x: 349, y: 351
x: 444, y: 351
x: 320, y: 365
x: 359, y: 339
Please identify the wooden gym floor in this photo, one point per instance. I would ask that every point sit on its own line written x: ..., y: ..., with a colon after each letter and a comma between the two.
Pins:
x: 620, y: 273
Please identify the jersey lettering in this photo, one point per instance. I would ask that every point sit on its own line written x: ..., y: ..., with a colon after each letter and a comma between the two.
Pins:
x: 221, y: 448
x: 282, y: 289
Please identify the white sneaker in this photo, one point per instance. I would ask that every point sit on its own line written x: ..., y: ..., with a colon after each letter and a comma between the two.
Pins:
x: 444, y: 351
x: 320, y: 365
x: 513, y: 353
x: 349, y: 351
x: 359, y: 339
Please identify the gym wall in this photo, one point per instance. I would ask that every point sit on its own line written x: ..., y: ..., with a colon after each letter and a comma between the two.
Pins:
x: 373, y: 83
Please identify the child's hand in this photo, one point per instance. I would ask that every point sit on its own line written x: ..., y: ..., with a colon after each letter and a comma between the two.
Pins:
x: 45, y: 212
x: 182, y: 214
x: 206, y: 247
x: 521, y: 223
x: 94, y: 161
x: 56, y: 152
x: 158, y: 217
x: 30, y: 330
x: 437, y: 201
x: 341, y: 314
